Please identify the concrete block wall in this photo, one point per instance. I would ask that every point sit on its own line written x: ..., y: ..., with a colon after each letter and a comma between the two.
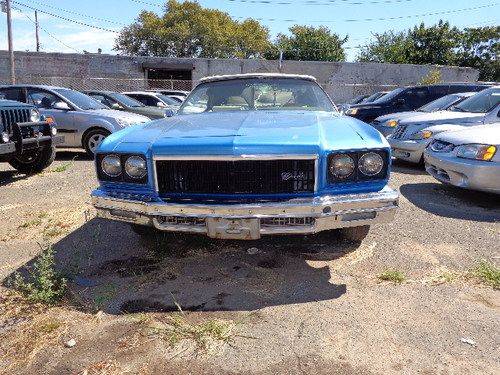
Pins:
x: 342, y: 81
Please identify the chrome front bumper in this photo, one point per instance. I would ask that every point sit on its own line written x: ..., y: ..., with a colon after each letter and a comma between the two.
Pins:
x: 411, y: 151
x: 250, y: 221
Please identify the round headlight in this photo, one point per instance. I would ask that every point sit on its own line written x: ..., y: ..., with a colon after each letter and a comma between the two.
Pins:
x: 34, y: 115
x: 111, y: 165
x: 371, y: 164
x: 135, y: 167
x: 342, y: 166
x: 53, y: 130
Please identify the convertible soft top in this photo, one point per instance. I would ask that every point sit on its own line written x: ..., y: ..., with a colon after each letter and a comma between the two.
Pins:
x: 255, y: 76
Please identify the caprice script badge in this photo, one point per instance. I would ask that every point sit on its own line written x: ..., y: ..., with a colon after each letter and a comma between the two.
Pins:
x: 285, y: 176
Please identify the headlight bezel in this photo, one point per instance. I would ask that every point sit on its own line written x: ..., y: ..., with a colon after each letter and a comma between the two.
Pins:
x: 103, y: 169
x: 421, y: 135
x: 358, y: 175
x: 35, y: 115
x: 478, y: 151
x: 123, y: 176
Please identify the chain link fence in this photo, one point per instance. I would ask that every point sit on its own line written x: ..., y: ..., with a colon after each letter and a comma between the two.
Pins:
x: 340, y: 92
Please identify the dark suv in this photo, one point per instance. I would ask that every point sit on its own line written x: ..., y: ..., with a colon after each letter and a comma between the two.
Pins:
x: 409, y: 99
x: 27, y: 139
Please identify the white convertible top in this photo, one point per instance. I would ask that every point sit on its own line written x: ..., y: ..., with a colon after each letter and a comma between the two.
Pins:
x: 255, y: 75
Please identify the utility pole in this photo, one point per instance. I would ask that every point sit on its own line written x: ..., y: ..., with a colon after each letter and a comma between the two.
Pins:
x: 9, y: 37
x: 36, y: 32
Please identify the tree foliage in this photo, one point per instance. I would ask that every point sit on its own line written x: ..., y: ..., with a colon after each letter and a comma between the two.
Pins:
x: 189, y: 30
x: 308, y: 43
x: 439, y: 44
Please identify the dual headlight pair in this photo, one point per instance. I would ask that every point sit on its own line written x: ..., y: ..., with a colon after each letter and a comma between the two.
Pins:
x: 354, y: 166
x: 129, y: 168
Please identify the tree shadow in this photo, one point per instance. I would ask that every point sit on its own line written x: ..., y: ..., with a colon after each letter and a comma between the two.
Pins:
x: 112, y: 269
x: 452, y: 202
x: 405, y: 167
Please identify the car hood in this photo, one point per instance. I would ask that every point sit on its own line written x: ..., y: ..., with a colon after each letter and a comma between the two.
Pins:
x: 398, y: 116
x: 12, y: 103
x: 484, y: 134
x: 249, y: 133
x: 444, y: 117
x: 112, y: 113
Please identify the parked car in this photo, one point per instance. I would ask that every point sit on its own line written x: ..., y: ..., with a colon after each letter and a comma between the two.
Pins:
x: 361, y: 99
x: 83, y: 121
x: 408, y: 99
x: 153, y: 99
x: 413, y: 135
x: 122, y: 102
x: 248, y: 155
x: 467, y: 158
x: 386, y: 124
x: 170, y: 92
x: 27, y: 139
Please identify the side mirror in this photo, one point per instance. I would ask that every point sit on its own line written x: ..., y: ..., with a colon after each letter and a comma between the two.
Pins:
x: 60, y: 105
x: 116, y: 106
x: 400, y: 102
x: 169, y: 112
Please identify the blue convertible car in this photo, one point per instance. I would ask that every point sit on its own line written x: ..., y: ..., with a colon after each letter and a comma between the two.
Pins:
x: 248, y: 155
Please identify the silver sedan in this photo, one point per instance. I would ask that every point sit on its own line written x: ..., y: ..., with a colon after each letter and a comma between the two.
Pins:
x: 469, y: 158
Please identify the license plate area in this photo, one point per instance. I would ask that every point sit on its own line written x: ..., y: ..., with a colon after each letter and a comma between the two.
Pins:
x: 233, y: 229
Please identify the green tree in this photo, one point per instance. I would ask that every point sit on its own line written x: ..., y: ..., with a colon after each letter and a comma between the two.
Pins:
x: 388, y: 47
x: 189, y: 30
x: 308, y: 43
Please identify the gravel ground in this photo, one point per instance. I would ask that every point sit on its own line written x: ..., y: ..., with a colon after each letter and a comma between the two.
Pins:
x: 300, y: 305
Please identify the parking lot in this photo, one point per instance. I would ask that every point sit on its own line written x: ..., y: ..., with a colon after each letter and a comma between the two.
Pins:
x: 279, y: 305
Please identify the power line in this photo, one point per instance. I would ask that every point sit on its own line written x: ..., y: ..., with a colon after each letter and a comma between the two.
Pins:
x: 76, y: 13
x: 68, y: 19
x: 318, y: 2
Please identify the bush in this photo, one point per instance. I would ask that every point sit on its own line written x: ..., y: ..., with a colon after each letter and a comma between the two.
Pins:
x: 431, y: 78
x: 46, y: 285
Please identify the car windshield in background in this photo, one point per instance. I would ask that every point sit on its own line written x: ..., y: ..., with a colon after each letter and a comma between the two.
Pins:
x: 257, y: 94
x: 441, y: 103
x: 482, y: 102
x: 127, y: 100
x: 168, y: 100
x: 388, y: 97
x: 82, y: 101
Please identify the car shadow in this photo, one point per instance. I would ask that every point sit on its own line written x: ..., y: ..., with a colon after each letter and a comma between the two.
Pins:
x: 11, y: 176
x: 405, y: 167
x: 453, y: 202
x: 112, y: 269
x: 66, y: 155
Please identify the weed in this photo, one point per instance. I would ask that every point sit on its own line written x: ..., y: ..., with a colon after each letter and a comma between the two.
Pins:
x: 47, y: 286
x: 393, y: 276
x: 488, y: 273
x: 64, y: 167
x: 32, y: 223
x: 431, y: 78
x: 104, y: 295
x: 49, y: 326
x: 55, y: 229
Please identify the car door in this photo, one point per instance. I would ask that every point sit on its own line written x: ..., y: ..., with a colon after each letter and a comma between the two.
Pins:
x: 45, y: 102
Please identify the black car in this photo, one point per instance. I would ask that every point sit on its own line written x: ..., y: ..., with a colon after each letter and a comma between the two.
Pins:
x: 408, y: 99
x: 27, y: 139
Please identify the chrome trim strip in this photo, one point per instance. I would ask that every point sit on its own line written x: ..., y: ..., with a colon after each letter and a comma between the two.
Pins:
x: 237, y: 157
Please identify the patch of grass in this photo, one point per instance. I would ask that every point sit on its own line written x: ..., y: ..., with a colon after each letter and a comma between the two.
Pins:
x: 64, y: 167
x: 55, y: 229
x: 103, y: 296
x: 49, y: 326
x: 46, y: 285
x: 31, y: 223
x: 393, y: 276
x: 488, y: 273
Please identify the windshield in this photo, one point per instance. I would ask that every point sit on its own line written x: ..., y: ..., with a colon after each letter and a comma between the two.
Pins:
x: 167, y: 100
x: 257, y: 94
x: 442, y: 103
x: 82, y: 101
x: 127, y: 100
x: 373, y: 97
x: 388, y: 97
x: 482, y: 102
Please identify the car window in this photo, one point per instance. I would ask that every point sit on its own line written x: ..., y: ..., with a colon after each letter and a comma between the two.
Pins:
x: 148, y: 100
x: 103, y: 99
x: 81, y: 100
x: 257, y: 94
x: 444, y: 102
x: 42, y: 99
x: 391, y: 96
x: 416, y: 97
x: 12, y: 93
x: 168, y: 100
x: 482, y: 102
x: 125, y: 100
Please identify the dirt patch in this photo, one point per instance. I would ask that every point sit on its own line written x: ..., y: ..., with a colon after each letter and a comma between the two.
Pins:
x: 133, y: 266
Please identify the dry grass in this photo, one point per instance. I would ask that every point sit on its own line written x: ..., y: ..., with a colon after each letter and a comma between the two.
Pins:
x: 103, y: 368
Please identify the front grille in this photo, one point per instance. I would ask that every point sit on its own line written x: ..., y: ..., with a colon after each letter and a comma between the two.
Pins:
x: 181, y: 221
x: 236, y: 176
x: 399, y: 132
x: 287, y: 222
x: 9, y: 117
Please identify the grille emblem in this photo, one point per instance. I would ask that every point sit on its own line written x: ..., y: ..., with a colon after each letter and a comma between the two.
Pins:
x: 285, y: 176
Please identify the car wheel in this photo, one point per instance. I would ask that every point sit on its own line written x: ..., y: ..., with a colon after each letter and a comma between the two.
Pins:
x: 355, y: 234
x: 93, y: 139
x: 34, y: 162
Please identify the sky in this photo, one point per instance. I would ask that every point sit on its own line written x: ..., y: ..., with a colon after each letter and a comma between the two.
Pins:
x: 358, y: 19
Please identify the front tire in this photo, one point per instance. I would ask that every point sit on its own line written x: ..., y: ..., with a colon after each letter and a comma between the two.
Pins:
x: 93, y: 139
x: 355, y: 234
x: 34, y: 162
